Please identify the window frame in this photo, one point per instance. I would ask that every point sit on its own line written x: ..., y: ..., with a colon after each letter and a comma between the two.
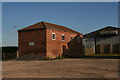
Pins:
x: 63, y: 39
x: 71, y: 37
x: 31, y: 43
x: 53, y: 38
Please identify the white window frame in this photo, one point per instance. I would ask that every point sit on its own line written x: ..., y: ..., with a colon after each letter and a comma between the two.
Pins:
x: 52, y: 36
x: 31, y: 43
x: 71, y: 37
x: 62, y: 37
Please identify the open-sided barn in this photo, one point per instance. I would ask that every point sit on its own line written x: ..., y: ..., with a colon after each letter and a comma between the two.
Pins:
x: 105, y: 40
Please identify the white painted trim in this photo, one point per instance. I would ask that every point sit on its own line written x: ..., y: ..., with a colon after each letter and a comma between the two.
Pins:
x: 71, y: 37
x: 52, y: 36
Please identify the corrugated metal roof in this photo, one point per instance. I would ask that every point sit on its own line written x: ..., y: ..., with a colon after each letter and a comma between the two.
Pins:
x: 97, y: 32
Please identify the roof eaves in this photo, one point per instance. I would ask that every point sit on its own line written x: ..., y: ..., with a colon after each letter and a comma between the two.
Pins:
x: 30, y: 29
x: 95, y: 32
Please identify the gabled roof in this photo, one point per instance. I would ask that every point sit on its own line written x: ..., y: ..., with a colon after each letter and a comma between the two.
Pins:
x: 38, y: 25
x: 44, y: 25
x: 97, y: 32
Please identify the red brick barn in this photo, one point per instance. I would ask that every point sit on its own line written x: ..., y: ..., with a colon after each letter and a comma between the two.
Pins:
x: 47, y: 40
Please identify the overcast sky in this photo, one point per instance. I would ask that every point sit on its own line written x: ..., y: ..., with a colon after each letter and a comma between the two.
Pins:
x: 83, y: 17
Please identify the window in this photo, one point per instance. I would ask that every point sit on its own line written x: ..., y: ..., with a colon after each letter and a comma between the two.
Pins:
x: 78, y: 39
x: 113, y: 32
x: 63, y: 37
x: 31, y: 43
x: 71, y: 37
x: 53, y: 36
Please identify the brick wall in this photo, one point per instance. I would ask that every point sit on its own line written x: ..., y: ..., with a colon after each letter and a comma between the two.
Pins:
x: 55, y: 47
x: 44, y: 46
x: 75, y: 47
x: 36, y: 36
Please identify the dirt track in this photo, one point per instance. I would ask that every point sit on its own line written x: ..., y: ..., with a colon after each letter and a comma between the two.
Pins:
x: 64, y: 68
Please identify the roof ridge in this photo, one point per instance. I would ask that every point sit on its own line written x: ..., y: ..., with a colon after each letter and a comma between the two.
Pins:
x: 52, y: 24
x: 43, y: 23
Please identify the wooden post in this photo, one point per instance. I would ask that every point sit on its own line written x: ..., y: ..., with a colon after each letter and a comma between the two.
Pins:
x: 101, y: 48
x: 17, y: 54
x: 111, y: 49
x: 119, y: 48
x: 95, y: 46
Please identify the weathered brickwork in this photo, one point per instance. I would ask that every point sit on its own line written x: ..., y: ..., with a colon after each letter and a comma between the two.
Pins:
x: 36, y: 36
x: 44, y: 45
x: 55, y: 47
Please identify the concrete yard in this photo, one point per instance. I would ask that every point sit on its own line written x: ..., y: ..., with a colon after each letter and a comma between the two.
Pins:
x: 61, y: 68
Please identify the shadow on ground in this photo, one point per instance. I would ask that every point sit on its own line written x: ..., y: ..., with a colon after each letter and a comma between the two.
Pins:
x: 99, y: 57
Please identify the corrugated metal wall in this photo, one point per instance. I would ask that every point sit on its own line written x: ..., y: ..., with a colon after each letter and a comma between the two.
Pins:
x: 89, y: 44
x: 108, y: 40
x: 102, y: 44
x: 108, y: 44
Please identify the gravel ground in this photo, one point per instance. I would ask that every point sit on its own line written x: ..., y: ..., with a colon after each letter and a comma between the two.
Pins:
x: 64, y: 68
